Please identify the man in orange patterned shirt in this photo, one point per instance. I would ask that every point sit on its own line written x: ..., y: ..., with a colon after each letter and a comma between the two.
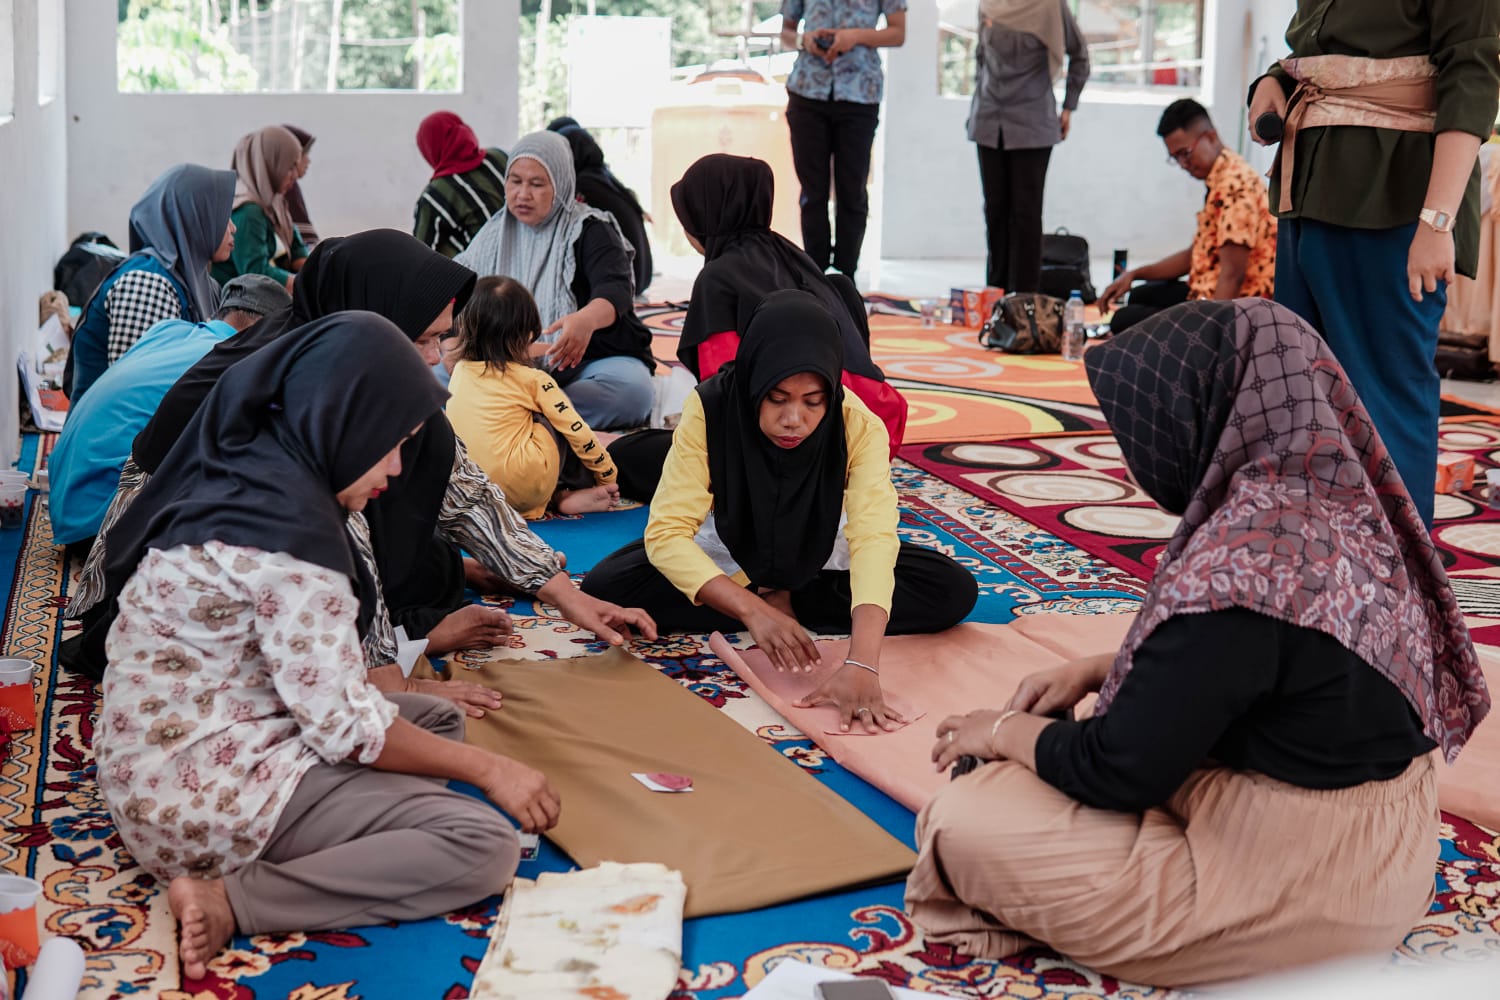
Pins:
x: 1233, y: 254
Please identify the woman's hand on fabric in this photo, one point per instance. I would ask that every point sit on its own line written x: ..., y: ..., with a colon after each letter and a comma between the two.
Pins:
x: 1059, y: 688
x: 1429, y: 261
x: 784, y: 641
x: 856, y: 693
x: 965, y: 735
x: 573, y: 335
x: 1268, y: 97
x: 473, y: 626
x: 1065, y: 122
x: 523, y: 792
x: 609, y: 622
x: 474, y: 699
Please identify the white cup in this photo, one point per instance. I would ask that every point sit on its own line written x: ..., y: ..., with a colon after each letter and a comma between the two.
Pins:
x: 18, y: 892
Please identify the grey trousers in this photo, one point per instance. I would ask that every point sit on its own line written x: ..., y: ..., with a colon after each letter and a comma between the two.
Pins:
x: 357, y: 846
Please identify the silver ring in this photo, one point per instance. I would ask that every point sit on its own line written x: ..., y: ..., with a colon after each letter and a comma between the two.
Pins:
x: 950, y: 736
x: 861, y: 711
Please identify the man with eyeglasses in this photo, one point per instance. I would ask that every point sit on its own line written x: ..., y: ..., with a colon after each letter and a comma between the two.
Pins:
x: 1233, y: 254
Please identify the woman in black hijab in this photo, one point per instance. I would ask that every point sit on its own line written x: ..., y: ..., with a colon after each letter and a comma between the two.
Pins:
x: 252, y: 617
x: 440, y: 503
x: 600, y: 188
x: 776, y: 514
x: 724, y: 204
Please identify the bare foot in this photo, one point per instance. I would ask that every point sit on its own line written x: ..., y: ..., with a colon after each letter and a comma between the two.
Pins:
x: 472, y: 626
x: 589, y: 501
x: 205, y: 923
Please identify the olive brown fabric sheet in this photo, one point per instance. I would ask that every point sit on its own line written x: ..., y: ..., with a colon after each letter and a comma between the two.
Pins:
x: 754, y: 831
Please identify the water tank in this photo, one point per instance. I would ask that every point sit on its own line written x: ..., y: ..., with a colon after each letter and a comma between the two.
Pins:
x: 723, y: 110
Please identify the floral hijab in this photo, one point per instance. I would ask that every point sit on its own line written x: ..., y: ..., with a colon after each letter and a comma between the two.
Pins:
x: 1237, y: 416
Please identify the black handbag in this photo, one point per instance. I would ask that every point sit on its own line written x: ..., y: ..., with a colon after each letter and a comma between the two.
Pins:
x: 1065, y: 266
x: 1024, y: 323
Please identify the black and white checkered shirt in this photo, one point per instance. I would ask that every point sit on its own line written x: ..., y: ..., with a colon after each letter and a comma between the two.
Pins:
x: 134, y: 304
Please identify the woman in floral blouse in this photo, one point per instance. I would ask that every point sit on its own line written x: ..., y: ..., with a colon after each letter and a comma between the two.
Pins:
x: 242, y: 750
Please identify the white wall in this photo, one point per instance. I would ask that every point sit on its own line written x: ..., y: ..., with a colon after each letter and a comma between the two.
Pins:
x: 1109, y: 181
x: 366, y: 170
x: 33, y: 209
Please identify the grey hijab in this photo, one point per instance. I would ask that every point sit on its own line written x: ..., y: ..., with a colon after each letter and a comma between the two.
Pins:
x: 540, y: 257
x: 180, y: 221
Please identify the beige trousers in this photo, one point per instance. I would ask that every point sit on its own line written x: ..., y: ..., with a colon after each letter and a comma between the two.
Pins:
x: 357, y: 846
x: 1236, y: 874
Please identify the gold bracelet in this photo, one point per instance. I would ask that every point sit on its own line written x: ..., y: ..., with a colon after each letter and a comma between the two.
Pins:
x: 995, y: 728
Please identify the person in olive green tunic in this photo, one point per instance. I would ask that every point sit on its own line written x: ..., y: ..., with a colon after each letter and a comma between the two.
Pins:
x: 1386, y: 103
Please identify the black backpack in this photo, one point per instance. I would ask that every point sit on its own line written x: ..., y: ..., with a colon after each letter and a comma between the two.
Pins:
x: 1065, y: 266
x: 87, y: 263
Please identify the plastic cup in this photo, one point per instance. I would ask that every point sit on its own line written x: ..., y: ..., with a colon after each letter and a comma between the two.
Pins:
x: 20, y: 939
x: 929, y: 313
x: 12, y: 504
x: 17, y: 700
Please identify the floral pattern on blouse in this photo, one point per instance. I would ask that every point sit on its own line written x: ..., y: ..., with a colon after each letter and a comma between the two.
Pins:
x: 856, y: 76
x: 232, y: 673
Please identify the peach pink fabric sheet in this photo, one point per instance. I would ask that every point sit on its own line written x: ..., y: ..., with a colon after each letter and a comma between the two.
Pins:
x: 967, y: 667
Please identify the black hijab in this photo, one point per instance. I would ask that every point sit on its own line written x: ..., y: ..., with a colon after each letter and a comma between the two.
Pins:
x: 262, y: 460
x: 724, y: 202
x: 777, y: 511
x: 599, y: 188
x: 383, y: 271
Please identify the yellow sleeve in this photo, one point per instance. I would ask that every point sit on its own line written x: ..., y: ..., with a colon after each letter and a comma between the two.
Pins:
x: 553, y: 403
x: 683, y: 501
x: 871, y: 506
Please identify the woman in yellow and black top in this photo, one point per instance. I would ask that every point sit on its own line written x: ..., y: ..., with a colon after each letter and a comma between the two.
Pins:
x: 776, y: 514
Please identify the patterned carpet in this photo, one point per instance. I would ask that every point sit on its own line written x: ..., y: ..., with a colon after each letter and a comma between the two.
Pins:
x: 958, y: 391
x: 58, y: 831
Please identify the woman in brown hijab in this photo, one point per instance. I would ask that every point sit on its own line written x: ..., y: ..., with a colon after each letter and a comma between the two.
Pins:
x: 266, y: 163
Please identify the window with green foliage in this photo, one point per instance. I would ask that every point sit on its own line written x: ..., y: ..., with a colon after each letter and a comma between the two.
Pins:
x: 1132, y: 43
x: 258, y: 46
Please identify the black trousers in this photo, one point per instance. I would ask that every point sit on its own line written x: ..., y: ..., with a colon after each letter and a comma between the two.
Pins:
x: 832, y: 138
x: 1147, y: 300
x: 932, y: 593
x: 1013, y: 182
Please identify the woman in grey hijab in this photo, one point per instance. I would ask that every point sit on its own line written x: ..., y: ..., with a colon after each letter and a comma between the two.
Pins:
x: 178, y: 228
x: 577, y: 265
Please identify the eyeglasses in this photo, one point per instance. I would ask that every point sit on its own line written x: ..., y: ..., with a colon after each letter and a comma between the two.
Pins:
x: 1182, y: 156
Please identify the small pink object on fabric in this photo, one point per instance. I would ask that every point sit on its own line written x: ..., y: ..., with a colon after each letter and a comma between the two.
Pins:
x: 676, y: 782
x: 969, y: 667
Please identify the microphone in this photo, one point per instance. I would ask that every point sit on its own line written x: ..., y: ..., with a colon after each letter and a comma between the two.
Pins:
x: 1270, y: 127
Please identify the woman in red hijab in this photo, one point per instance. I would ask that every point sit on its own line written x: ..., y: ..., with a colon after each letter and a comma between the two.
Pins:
x: 467, y: 186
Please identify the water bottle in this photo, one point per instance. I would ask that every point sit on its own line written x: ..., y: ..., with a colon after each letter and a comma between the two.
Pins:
x: 1073, y: 334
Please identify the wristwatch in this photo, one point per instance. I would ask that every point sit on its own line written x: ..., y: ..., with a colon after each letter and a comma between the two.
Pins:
x: 1440, y: 221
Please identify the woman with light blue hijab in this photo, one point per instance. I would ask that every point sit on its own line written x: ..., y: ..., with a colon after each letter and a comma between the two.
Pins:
x: 577, y: 265
x: 178, y: 228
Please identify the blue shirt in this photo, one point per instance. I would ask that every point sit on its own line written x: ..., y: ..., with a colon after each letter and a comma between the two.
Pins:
x: 101, y: 427
x: 856, y: 75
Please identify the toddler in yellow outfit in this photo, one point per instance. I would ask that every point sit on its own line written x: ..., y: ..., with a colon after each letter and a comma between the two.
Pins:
x: 514, y: 418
